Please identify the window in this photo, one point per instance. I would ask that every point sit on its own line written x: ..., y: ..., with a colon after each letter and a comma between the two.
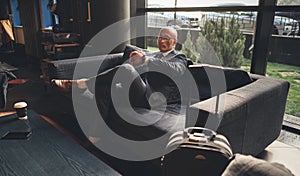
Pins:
x: 280, y: 54
x: 15, y: 12
x: 283, y: 57
x: 192, y: 34
x: 46, y: 15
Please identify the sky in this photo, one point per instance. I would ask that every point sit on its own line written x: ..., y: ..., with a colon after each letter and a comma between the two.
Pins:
x: 192, y: 3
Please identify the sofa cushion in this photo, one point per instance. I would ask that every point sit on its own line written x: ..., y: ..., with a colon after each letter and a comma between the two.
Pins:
x: 236, y: 78
x: 214, y: 80
x: 151, y: 123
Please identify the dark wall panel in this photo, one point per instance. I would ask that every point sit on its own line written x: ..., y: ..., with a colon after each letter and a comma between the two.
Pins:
x: 4, y: 9
x: 87, y: 18
x: 30, y: 17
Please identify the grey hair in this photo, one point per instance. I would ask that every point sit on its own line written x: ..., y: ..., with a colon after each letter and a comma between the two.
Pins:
x: 172, y: 31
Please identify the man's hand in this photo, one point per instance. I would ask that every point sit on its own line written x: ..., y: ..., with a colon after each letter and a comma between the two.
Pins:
x: 137, y: 58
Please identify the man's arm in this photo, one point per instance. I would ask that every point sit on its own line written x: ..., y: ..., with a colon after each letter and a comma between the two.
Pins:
x: 176, y: 66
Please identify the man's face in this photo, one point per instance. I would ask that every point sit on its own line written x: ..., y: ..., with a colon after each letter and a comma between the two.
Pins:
x: 166, y: 41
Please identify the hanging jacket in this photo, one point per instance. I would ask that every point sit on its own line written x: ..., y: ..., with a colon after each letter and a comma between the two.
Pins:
x: 5, y: 76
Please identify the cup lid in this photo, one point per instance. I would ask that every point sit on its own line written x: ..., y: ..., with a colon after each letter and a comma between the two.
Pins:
x: 20, y: 104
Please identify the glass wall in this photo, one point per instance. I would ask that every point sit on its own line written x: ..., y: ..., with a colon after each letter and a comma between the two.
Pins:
x: 211, y: 32
x: 46, y: 15
x: 15, y: 12
x: 198, y: 32
x: 283, y: 56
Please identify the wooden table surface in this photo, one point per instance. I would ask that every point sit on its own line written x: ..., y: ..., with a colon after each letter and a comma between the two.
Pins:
x: 46, y: 152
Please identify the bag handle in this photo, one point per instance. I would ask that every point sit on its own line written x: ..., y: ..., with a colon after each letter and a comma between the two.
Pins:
x: 199, y: 132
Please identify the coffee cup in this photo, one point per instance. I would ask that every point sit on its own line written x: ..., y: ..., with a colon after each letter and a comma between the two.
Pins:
x: 21, y: 109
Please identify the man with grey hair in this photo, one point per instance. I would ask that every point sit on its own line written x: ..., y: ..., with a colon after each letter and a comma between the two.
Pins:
x: 140, y: 73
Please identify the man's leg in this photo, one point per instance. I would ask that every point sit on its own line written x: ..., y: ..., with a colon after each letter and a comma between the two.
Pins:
x: 122, y: 81
x: 66, y: 85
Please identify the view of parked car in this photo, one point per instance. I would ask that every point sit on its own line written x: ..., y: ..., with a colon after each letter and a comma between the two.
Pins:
x: 157, y: 19
x: 282, y: 25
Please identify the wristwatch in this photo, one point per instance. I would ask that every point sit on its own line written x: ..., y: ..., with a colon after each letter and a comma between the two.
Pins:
x: 143, y: 58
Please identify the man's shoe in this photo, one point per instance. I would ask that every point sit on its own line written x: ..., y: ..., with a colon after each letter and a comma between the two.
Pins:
x: 65, y: 85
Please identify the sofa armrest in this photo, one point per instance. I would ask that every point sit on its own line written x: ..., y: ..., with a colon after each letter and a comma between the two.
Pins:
x: 250, y: 116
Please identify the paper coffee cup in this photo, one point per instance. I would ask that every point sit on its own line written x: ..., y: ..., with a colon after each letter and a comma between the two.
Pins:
x: 21, y: 109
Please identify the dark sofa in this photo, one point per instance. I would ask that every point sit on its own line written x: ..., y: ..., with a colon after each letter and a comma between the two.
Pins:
x: 249, y: 111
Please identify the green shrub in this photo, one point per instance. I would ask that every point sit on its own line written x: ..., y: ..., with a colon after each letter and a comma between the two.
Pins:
x: 217, y: 42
